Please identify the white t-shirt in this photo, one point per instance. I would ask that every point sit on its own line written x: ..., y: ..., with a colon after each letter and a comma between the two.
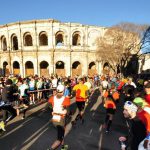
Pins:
x: 58, y: 107
x: 22, y: 89
x: 104, y: 84
x: 54, y: 83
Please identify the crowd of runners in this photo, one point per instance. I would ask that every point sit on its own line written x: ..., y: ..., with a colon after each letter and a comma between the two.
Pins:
x: 19, y: 94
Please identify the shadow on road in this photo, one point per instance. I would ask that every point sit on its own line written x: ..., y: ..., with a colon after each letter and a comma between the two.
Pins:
x: 37, y: 133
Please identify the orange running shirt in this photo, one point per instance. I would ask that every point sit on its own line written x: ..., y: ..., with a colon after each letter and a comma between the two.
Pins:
x: 109, y: 104
x: 145, y: 117
x: 65, y: 103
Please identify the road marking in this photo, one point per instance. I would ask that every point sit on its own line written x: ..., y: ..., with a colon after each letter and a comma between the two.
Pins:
x: 37, y: 132
x: 15, y: 129
x: 91, y: 131
x: 34, y: 137
x: 101, y: 137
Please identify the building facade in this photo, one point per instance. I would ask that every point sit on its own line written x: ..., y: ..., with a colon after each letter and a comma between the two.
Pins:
x: 46, y: 47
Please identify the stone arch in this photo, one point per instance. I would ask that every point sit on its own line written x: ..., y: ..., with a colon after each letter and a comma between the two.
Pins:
x: 3, y: 43
x: 59, y: 38
x: 106, y: 68
x: 76, y: 68
x: 6, y: 70
x: 76, y: 38
x: 16, y: 68
x: 60, y: 68
x: 82, y: 33
x: 92, y: 36
x: 27, y: 38
x: 14, y: 42
x: 44, y: 68
x: 92, y: 68
x: 29, y: 68
x: 43, y: 39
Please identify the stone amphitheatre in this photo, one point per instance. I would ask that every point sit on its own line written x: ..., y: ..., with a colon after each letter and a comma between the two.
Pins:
x: 46, y: 47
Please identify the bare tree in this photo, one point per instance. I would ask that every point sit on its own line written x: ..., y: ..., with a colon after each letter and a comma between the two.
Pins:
x: 118, y: 44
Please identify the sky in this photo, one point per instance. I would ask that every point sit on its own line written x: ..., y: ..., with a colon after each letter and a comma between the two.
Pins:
x: 88, y: 12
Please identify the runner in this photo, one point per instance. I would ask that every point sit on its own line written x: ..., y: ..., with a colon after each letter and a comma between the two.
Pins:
x: 113, y: 92
x: 6, y: 103
x: 110, y: 106
x: 136, y: 128
x: 59, y: 104
x: 104, y: 85
x: 81, y: 92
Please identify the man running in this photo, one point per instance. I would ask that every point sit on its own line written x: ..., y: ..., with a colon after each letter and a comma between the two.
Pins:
x: 59, y: 103
x: 6, y: 103
x: 81, y: 92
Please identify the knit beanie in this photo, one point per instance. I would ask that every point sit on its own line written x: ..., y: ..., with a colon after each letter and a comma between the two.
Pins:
x: 131, y: 108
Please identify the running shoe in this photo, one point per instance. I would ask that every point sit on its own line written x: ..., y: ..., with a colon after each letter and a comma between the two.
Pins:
x: 64, y: 147
x: 2, y: 125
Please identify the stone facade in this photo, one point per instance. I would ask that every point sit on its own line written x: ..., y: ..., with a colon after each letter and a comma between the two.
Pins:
x: 46, y: 47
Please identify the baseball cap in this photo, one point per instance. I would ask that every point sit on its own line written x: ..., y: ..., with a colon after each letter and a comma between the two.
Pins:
x: 60, y: 88
x: 140, y: 102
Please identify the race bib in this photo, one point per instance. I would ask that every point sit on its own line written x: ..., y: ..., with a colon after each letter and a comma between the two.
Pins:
x: 56, y: 118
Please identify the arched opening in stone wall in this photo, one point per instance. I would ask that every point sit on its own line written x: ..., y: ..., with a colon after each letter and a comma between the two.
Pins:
x: 76, y: 39
x: 92, y: 69
x: 106, y: 68
x: 28, y: 39
x: 59, y: 38
x: 6, y: 71
x: 29, y: 69
x: 92, y: 37
x: 14, y: 42
x: 43, y: 40
x: 60, y: 68
x: 76, y: 68
x: 16, y: 68
x: 44, y: 70
x: 3, y: 43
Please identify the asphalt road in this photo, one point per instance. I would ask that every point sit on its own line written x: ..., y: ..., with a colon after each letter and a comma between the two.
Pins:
x: 36, y: 132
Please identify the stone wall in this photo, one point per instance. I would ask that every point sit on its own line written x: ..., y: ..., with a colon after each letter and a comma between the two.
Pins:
x: 20, y: 44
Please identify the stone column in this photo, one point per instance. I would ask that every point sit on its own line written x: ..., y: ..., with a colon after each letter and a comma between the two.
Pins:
x: 35, y: 66
x: 84, y: 63
x: 21, y: 69
x: 70, y: 73
x: 100, y: 67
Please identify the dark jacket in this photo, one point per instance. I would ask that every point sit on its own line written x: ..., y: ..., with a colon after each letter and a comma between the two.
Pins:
x: 7, y: 93
x: 136, y: 133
